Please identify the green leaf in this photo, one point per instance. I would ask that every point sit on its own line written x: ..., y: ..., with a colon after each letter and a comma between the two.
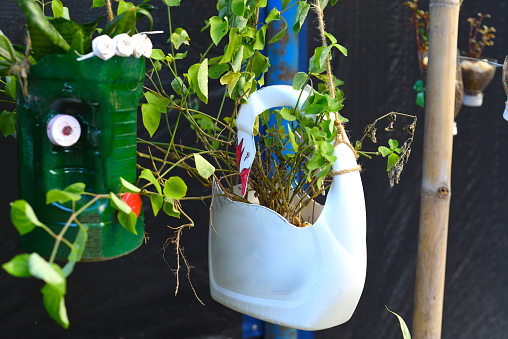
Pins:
x: 262, y: 3
x: 179, y: 37
x: 230, y: 79
x: 393, y: 143
x: 403, y: 326
x: 292, y: 138
x: 175, y: 188
x: 23, y: 217
x: 78, y: 247
x: 392, y: 160
x: 238, y: 7
x: 235, y: 41
x: 285, y: 3
x: 98, y: 3
x: 50, y: 273
x: 341, y: 48
x: 157, y: 201
x: 384, y: 151
x: 260, y: 38
x: 148, y: 175
x: 39, y: 26
x: 301, y: 14
x: 198, y: 76
x: 259, y: 64
x: 128, y: 221
x: 170, y: 209
x: 128, y: 187
x: 333, y: 2
x: 286, y: 114
x: 57, y: 8
x: 157, y: 54
x: 72, y: 192
x: 54, y: 302
x: 219, y: 28
x: 280, y: 34
x: 216, y: 71
x: 331, y: 37
x: 123, y: 6
x: 205, y: 169
x: 151, y: 117
x: 18, y: 266
x: 274, y: 15
x: 158, y: 100
x: 178, y: 86
x: 237, y: 61
x: 119, y: 204
x: 10, y: 87
x: 172, y: 3
x: 7, y: 123
x: 203, y: 79
x: 299, y: 80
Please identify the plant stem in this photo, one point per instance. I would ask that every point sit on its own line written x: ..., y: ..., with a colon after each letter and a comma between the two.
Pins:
x: 111, y: 17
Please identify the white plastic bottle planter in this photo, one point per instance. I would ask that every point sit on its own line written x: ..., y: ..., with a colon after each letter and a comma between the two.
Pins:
x: 308, y: 278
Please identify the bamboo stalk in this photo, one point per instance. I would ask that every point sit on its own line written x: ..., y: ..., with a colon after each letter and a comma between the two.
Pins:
x: 437, y: 158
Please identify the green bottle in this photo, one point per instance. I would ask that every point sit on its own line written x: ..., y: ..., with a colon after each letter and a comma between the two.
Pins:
x: 77, y: 123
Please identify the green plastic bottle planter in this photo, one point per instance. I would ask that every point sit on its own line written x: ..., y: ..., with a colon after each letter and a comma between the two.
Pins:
x: 103, y: 97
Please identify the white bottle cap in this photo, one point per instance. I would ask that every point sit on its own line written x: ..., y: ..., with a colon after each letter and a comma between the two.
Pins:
x: 63, y: 130
x: 455, y: 129
x: 472, y: 100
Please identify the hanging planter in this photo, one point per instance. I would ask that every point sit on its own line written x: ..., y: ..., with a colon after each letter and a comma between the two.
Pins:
x: 477, y: 75
x: 308, y: 278
x: 505, y: 86
x: 77, y: 123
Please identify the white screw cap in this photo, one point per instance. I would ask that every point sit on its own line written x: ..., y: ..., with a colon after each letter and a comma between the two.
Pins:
x: 63, y: 130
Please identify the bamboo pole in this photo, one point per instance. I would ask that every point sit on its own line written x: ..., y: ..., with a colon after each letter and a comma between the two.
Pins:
x: 437, y: 158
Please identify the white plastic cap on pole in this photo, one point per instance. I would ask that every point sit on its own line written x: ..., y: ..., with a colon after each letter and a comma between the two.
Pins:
x: 63, y: 130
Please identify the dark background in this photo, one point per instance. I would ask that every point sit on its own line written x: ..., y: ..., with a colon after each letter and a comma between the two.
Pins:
x: 134, y: 296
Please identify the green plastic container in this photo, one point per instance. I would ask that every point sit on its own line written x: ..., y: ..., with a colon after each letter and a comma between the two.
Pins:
x: 103, y: 96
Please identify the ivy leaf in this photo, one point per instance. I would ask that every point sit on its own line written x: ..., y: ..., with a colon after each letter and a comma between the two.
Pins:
x: 157, y: 54
x: 216, y: 71
x: 280, y: 34
x: 51, y: 274
x: 119, y: 204
x: 57, y: 8
x: 274, y: 15
x: 7, y: 123
x: 23, y: 217
x: 238, y: 7
x: 260, y: 38
x: 179, y: 37
x: 98, y: 3
x: 385, y: 151
x: 237, y: 61
x: 393, y: 143
x: 54, y: 303
x: 234, y: 42
x: 178, y: 86
x: 158, y: 100
x: 172, y: 3
x: 151, y: 117
x: 205, y: 169
x: 198, y: 76
x: 157, y: 201
x: 128, y: 187
x: 285, y: 3
x: 392, y: 160
x: 175, y: 188
x: 301, y: 14
x: 299, y: 80
x: 286, y: 114
x: 72, y: 192
x: 230, y: 79
x: 78, y: 247
x: 128, y: 221
x: 170, y: 209
x: 218, y: 29
x: 18, y: 266
x: 148, y: 175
